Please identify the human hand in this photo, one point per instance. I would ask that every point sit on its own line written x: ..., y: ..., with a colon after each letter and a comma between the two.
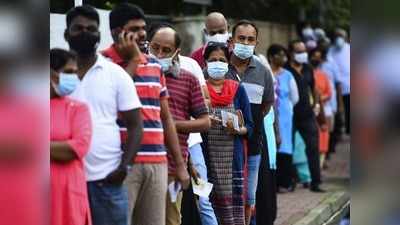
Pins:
x: 116, y: 177
x: 215, y: 120
x: 182, y: 176
x: 127, y: 46
x: 230, y: 127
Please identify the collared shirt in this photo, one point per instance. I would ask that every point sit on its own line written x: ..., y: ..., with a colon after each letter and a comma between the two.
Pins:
x: 305, y: 84
x: 107, y: 89
x: 332, y: 70
x: 151, y: 88
x: 342, y: 59
x: 186, y: 101
x: 259, y: 86
x: 198, y: 55
x: 192, y: 66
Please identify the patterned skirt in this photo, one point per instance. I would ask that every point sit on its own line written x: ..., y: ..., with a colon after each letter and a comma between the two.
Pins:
x: 227, y: 196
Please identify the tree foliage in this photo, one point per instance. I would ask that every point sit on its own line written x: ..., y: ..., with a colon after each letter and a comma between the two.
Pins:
x: 334, y: 12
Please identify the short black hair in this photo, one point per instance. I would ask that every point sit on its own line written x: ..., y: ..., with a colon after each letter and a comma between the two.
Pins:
x: 86, y: 10
x: 156, y: 27
x: 275, y: 49
x: 244, y: 23
x: 214, y: 46
x: 292, y: 43
x: 59, y: 57
x: 122, y: 13
x: 324, y: 52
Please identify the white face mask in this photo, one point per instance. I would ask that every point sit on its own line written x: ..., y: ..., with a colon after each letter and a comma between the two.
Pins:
x: 301, y: 57
x: 308, y: 32
x: 223, y: 38
x: 340, y: 42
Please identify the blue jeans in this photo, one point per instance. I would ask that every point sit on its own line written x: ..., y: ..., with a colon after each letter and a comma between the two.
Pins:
x: 207, y: 215
x: 108, y: 203
x: 253, y: 165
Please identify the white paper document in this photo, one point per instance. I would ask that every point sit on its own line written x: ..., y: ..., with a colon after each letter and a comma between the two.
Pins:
x: 228, y: 115
x: 203, y: 189
x: 174, y: 188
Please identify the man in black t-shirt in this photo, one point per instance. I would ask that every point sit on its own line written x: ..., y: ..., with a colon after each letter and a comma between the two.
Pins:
x: 304, y: 117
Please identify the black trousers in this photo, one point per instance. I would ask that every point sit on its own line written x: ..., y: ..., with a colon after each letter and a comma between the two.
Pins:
x: 346, y: 102
x: 266, y: 201
x: 285, y: 171
x: 309, y: 132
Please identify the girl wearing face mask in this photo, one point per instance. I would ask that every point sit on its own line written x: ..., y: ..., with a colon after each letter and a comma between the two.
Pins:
x: 70, y: 136
x: 226, y: 145
x: 287, y: 97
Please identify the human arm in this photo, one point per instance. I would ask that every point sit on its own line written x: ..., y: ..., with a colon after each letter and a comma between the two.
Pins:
x: 134, y: 125
x: 198, y: 110
x: 293, y: 92
x: 81, y: 132
x: 129, y: 51
x: 268, y: 98
x: 200, y: 124
x: 129, y: 106
x: 172, y: 143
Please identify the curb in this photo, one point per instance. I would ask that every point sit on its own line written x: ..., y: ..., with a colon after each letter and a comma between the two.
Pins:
x: 329, y: 208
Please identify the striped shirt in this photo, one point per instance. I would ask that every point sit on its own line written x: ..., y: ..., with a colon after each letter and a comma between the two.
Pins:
x: 151, y: 88
x: 185, y: 100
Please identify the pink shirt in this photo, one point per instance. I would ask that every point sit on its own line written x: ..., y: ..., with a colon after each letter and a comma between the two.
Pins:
x: 70, y: 122
x: 23, y: 158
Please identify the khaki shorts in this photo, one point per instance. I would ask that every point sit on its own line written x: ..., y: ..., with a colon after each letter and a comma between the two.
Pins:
x: 173, y: 209
x: 147, y: 191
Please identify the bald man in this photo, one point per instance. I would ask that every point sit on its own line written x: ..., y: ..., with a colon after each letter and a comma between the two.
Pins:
x: 186, y: 101
x: 216, y: 30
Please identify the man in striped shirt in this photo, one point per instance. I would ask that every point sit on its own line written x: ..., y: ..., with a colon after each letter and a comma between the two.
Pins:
x: 186, y: 101
x: 147, y: 180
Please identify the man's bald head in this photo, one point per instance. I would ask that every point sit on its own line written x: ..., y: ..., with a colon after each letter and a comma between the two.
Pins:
x: 164, y: 41
x: 216, y: 24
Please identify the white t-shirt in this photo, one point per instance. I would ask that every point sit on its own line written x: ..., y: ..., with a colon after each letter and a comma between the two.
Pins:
x: 106, y: 89
x: 192, y: 66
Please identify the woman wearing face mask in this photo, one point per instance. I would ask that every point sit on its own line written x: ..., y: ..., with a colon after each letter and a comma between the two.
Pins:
x: 323, y: 87
x: 70, y: 136
x: 287, y: 97
x: 226, y: 145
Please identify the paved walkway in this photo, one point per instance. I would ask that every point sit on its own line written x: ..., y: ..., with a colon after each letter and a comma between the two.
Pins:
x: 294, y: 206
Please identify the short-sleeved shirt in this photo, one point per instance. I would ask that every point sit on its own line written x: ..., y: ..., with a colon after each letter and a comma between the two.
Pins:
x: 151, y: 88
x: 186, y: 100
x: 107, y: 89
x: 259, y: 86
x: 192, y: 66
x: 342, y: 59
x: 305, y: 84
x: 332, y: 70
x: 198, y: 55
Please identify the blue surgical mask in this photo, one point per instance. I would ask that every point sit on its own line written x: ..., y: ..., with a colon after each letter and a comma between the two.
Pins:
x: 165, y: 63
x: 243, y: 51
x: 67, y: 84
x: 217, y: 70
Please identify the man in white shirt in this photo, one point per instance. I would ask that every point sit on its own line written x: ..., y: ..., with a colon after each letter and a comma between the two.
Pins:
x: 340, y: 53
x: 108, y: 91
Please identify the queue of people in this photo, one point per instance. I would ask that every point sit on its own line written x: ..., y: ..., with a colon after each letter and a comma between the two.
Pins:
x: 137, y: 125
